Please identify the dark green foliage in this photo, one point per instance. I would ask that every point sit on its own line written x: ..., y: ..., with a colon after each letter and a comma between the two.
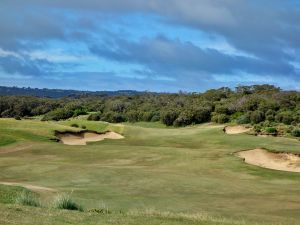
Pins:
x: 78, y: 112
x: 296, y: 132
x: 168, y: 117
x: 271, y: 130
x: 220, y: 118
x: 58, y: 114
x: 247, y: 104
x: 184, y: 119
x: 201, y: 115
x: 94, y: 117
x: 285, y: 117
x: 74, y: 125
x: 256, y: 117
x: 83, y: 126
x: 244, y: 119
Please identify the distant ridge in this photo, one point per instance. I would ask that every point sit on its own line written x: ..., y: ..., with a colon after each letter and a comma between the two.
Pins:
x: 59, y: 93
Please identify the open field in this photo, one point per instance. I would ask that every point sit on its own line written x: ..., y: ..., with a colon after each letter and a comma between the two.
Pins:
x: 186, y: 172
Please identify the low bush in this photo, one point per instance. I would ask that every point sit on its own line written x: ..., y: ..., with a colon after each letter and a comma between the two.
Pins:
x: 220, y: 118
x: 296, y: 132
x: 64, y: 201
x: 74, y: 125
x: 244, y: 119
x: 94, y: 117
x: 58, y: 114
x: 83, y: 126
x: 271, y: 130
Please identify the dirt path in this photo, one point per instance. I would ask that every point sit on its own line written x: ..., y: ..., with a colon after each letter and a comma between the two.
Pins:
x: 31, y: 187
x: 276, y: 161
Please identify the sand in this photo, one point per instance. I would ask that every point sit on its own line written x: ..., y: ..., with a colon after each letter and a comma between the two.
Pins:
x: 81, y: 138
x: 236, y: 129
x: 276, y: 161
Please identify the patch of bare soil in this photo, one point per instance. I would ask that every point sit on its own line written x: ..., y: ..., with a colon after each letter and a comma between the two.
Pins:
x: 276, y: 161
x: 34, y: 188
x: 236, y: 129
x: 81, y: 138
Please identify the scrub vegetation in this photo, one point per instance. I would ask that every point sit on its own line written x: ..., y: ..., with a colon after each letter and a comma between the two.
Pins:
x: 270, y: 109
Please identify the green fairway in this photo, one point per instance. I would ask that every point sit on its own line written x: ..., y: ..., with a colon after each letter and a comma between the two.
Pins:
x: 183, y: 171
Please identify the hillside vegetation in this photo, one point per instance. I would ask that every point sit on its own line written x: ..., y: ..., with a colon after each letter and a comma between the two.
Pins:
x: 270, y: 109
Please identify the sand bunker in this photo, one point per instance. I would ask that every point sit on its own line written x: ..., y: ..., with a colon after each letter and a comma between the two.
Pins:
x: 81, y: 138
x: 236, y: 129
x: 276, y: 161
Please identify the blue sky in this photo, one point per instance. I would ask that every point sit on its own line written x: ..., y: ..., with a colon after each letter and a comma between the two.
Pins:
x: 154, y: 45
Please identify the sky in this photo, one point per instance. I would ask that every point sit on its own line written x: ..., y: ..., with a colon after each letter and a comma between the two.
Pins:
x: 149, y: 45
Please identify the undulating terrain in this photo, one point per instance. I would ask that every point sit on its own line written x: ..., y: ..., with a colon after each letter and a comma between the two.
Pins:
x: 154, y: 175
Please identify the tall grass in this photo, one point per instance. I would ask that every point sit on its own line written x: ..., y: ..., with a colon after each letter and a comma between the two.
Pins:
x: 28, y: 198
x: 64, y: 201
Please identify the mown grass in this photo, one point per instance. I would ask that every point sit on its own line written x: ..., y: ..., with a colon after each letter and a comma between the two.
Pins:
x: 188, y: 170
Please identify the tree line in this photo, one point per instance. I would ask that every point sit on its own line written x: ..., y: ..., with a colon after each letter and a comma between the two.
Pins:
x: 244, y: 105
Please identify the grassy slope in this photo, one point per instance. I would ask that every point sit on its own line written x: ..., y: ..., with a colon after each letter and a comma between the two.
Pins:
x: 188, y: 170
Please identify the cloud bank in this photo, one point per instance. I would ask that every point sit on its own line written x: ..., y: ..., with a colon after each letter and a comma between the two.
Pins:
x: 156, y: 45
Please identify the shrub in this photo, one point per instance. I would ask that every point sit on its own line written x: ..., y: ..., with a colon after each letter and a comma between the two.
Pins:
x: 74, y: 125
x: 94, y: 117
x: 271, y: 130
x: 17, y: 118
x: 201, y: 115
x: 79, y: 111
x: 132, y: 116
x: 220, y: 118
x: 285, y: 117
x: 58, y: 114
x: 244, y: 119
x: 83, y: 126
x: 27, y: 198
x: 257, y: 117
x: 184, y: 119
x: 296, y: 132
x: 64, y: 201
x: 257, y: 128
x: 169, y: 117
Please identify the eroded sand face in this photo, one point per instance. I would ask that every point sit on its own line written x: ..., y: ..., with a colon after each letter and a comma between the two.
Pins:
x: 276, y: 161
x: 69, y: 138
x: 236, y: 129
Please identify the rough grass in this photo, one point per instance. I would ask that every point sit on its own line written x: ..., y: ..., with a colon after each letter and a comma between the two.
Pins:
x: 65, y: 201
x: 188, y: 170
x: 8, y: 194
x: 27, y: 198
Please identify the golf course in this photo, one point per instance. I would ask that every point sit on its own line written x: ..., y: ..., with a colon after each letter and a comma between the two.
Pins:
x: 148, y: 174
